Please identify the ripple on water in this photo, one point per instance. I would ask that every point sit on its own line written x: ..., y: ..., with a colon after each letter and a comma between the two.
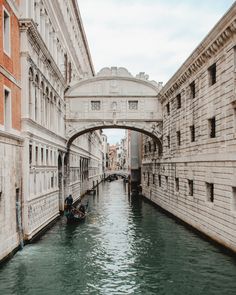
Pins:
x: 125, y: 246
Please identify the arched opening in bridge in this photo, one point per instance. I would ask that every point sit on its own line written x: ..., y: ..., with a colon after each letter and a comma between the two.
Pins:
x: 139, y: 143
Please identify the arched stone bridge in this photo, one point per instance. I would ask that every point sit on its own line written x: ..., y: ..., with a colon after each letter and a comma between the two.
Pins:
x: 114, y: 99
x: 123, y: 173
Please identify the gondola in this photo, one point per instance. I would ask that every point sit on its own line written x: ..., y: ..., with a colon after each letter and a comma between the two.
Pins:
x: 73, y: 215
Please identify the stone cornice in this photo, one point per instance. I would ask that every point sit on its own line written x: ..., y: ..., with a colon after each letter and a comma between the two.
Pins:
x: 110, y: 78
x: 40, y: 128
x: 29, y: 26
x: 81, y: 27
x: 211, y: 44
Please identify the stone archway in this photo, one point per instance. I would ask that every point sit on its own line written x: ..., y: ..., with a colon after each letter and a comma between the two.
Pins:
x: 114, y: 99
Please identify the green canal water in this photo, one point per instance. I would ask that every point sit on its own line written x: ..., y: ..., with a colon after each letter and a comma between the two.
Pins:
x: 125, y: 246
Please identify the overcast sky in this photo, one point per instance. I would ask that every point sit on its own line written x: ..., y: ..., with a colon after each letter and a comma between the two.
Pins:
x: 152, y: 36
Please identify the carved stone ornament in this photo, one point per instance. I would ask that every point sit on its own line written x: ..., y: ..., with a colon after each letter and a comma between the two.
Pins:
x: 157, y: 129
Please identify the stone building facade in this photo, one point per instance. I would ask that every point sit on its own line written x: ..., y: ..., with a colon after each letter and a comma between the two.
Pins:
x: 54, y: 54
x: 194, y: 177
x: 10, y: 124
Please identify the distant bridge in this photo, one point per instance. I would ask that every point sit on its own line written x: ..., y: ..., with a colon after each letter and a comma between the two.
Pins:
x: 123, y: 173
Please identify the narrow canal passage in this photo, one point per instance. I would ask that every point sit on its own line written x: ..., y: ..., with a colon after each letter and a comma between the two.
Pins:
x: 125, y: 246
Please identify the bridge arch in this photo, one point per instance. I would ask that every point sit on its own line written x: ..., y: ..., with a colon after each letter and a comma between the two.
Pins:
x: 114, y: 99
x: 154, y: 132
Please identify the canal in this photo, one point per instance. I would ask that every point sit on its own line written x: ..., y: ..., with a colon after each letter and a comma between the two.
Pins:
x: 125, y: 246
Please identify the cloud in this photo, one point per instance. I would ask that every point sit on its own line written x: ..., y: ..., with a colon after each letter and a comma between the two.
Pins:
x: 154, y: 36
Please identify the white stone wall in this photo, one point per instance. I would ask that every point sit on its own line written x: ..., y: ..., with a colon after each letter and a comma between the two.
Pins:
x: 10, y: 180
x: 54, y: 54
x: 195, y: 179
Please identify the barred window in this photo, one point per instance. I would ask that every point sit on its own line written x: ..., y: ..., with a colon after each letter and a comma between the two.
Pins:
x: 95, y: 105
x: 178, y: 135
x: 178, y: 100
x: 190, y: 187
x: 133, y: 104
x: 212, y: 127
x: 192, y: 90
x: 210, y: 192
x: 212, y: 74
x: 176, y: 184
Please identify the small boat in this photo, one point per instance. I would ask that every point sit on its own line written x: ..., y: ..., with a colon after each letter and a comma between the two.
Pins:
x: 74, y: 215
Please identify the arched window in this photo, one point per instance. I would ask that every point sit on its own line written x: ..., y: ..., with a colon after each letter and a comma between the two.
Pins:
x: 46, y: 106
x: 154, y: 146
x: 55, y: 113
x: 149, y: 146
x: 59, y: 116
x: 42, y: 103
x: 145, y: 148
x: 51, y: 112
x: 31, y: 75
x: 36, y: 105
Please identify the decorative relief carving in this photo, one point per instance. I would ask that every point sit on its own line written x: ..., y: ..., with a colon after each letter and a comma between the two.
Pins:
x: 157, y: 129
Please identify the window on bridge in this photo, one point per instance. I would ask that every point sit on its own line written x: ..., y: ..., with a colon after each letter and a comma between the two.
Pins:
x: 133, y: 104
x: 95, y: 105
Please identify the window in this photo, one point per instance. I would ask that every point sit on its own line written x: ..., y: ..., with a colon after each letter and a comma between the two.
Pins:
x: 176, y: 184
x: 36, y: 155
x: 7, y: 109
x: 178, y: 101
x: 168, y: 141
x: 46, y: 156
x: 190, y: 187
x: 6, y: 32
x: 192, y: 90
x: 42, y: 158
x: 154, y: 146
x: 66, y: 67
x: 234, y: 199
x: 30, y: 154
x: 192, y: 133
x: 235, y: 120
x: 210, y: 192
x: 212, y: 74
x: 153, y: 178
x: 145, y: 148
x: 166, y: 177
x: 168, y: 108
x: 148, y: 178
x: 149, y: 146
x: 133, y: 105
x: 70, y: 71
x: 212, y: 127
x: 159, y: 180
x: 52, y: 181
x: 95, y: 105
x: 178, y: 138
